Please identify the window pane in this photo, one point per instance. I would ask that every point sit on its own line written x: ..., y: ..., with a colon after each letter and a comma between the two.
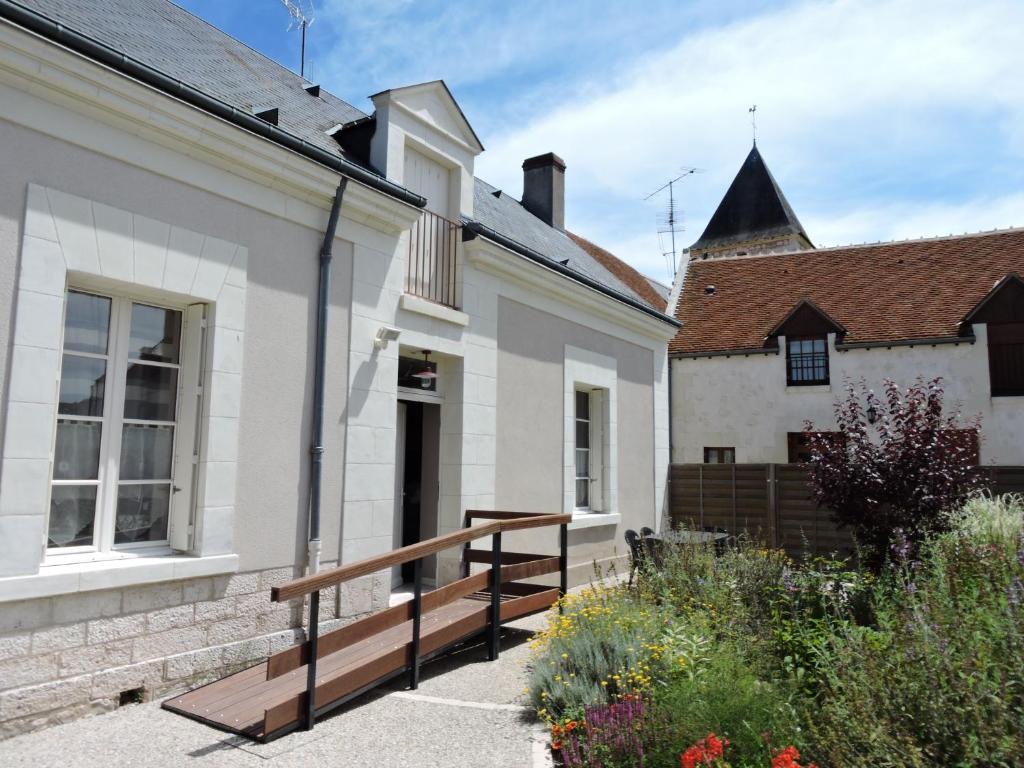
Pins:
x: 582, y: 493
x: 72, y: 511
x: 582, y: 405
x: 86, y: 323
x: 155, y: 334
x: 76, y: 455
x: 150, y: 392
x: 582, y: 463
x: 141, y: 513
x: 728, y: 455
x: 712, y: 456
x: 582, y: 434
x: 82, y: 383
x: 146, y: 452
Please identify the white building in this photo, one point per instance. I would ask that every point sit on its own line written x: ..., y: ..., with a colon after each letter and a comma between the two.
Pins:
x: 165, y: 200
x: 770, y: 339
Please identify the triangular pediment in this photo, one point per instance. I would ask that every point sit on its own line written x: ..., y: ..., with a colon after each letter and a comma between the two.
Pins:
x: 434, y: 104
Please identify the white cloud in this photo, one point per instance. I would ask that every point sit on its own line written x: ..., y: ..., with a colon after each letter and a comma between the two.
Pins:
x: 855, y: 99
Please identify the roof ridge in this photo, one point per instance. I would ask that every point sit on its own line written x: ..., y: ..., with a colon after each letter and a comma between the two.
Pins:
x: 859, y: 246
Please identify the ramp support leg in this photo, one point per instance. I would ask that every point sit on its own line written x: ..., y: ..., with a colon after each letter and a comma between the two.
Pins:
x: 314, y: 633
x: 563, y: 562
x: 417, y: 608
x: 494, y: 626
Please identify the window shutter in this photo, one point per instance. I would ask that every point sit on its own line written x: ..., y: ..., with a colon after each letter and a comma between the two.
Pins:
x: 186, y: 451
x: 597, y: 452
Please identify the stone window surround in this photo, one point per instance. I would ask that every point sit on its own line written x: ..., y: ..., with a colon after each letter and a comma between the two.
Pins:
x: 99, y: 245
x: 590, y: 369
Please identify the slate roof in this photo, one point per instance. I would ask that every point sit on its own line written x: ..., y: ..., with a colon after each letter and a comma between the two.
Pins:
x: 172, y: 40
x: 918, y: 289
x: 753, y: 208
x: 183, y: 46
x: 504, y: 214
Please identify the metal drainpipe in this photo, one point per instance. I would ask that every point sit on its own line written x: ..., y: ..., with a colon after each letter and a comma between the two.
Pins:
x: 317, y: 449
x: 666, y: 510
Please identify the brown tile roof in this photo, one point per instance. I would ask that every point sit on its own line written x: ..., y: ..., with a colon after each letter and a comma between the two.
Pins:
x: 636, y: 282
x: 885, y: 292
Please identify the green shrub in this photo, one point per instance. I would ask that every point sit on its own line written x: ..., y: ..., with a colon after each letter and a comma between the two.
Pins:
x: 940, y: 679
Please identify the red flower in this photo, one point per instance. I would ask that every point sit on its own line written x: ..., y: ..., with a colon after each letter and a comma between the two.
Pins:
x: 705, y: 752
x: 787, y: 758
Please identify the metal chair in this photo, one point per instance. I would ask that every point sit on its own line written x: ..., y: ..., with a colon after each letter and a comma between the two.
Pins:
x: 636, y: 552
x: 720, y: 544
x: 645, y: 532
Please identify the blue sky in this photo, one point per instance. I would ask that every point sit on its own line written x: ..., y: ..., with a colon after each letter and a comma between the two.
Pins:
x: 880, y: 119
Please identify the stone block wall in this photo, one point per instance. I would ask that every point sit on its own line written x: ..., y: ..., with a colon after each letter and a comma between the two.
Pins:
x: 71, y: 655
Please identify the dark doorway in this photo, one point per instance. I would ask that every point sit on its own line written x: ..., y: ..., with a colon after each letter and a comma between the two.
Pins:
x: 418, y: 465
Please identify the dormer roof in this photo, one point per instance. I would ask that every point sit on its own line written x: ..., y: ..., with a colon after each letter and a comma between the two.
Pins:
x: 424, y: 99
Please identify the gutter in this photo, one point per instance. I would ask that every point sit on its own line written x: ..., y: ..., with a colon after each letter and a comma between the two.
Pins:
x: 726, y: 353
x: 126, y: 65
x: 840, y: 347
x: 473, y: 229
x: 907, y: 342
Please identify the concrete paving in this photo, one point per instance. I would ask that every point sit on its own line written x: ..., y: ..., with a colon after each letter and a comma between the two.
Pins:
x: 466, y: 712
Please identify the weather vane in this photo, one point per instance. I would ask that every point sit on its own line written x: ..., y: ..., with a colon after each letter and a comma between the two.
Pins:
x: 753, y: 122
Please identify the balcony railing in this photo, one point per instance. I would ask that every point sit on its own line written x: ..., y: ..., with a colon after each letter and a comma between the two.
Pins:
x: 433, y: 265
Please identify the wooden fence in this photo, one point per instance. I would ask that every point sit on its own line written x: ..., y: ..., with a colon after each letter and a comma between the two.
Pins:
x: 772, y: 503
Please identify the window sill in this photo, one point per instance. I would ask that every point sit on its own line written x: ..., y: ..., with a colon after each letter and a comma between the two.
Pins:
x: 112, y: 574
x: 796, y: 389
x: 593, y: 519
x: 411, y: 303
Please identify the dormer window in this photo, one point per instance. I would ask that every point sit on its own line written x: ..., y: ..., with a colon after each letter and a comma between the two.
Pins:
x: 1002, y: 311
x: 806, y: 361
x: 806, y: 329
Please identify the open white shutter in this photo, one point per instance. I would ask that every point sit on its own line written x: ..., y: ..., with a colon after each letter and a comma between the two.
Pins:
x: 597, y: 454
x: 186, y: 451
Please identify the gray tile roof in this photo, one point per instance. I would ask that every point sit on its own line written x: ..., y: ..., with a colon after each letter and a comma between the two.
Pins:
x: 506, y: 215
x: 170, y: 39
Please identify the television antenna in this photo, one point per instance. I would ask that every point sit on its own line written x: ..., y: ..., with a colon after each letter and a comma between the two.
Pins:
x: 670, y: 216
x: 301, y: 12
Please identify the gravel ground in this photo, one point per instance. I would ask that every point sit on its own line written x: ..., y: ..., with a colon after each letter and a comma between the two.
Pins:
x: 466, y: 712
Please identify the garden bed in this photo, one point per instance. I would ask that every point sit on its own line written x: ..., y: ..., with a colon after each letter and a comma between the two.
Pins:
x: 753, y: 659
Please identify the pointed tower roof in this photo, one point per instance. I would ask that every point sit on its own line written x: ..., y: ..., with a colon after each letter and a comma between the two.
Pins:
x: 753, y: 208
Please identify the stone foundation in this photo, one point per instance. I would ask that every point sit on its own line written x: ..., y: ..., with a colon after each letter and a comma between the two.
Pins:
x: 72, y: 655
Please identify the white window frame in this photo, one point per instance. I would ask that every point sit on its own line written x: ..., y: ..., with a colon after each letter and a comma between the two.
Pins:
x: 71, y: 240
x: 595, y: 450
x: 595, y: 374
x: 184, y: 448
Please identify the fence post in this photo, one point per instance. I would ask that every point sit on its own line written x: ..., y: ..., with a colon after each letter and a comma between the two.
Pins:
x: 563, y: 563
x: 700, y: 494
x: 773, y: 505
x: 417, y: 608
x: 314, y: 633
x: 494, y: 627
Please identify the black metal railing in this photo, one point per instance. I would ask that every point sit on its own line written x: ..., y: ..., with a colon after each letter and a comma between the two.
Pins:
x: 432, y: 271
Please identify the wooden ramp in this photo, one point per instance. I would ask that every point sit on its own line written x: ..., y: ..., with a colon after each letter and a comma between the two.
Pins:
x: 272, y: 698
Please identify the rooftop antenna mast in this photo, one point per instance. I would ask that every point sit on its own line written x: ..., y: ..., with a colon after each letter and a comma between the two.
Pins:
x: 670, y: 217
x: 302, y: 17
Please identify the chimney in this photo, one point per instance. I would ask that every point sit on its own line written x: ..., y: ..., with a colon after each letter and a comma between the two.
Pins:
x: 544, y: 188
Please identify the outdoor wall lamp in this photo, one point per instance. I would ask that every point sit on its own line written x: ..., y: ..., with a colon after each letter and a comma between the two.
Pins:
x: 872, y: 414
x: 385, y: 335
x: 425, y: 375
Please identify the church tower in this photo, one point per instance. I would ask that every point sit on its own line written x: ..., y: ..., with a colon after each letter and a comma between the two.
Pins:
x: 753, y: 219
